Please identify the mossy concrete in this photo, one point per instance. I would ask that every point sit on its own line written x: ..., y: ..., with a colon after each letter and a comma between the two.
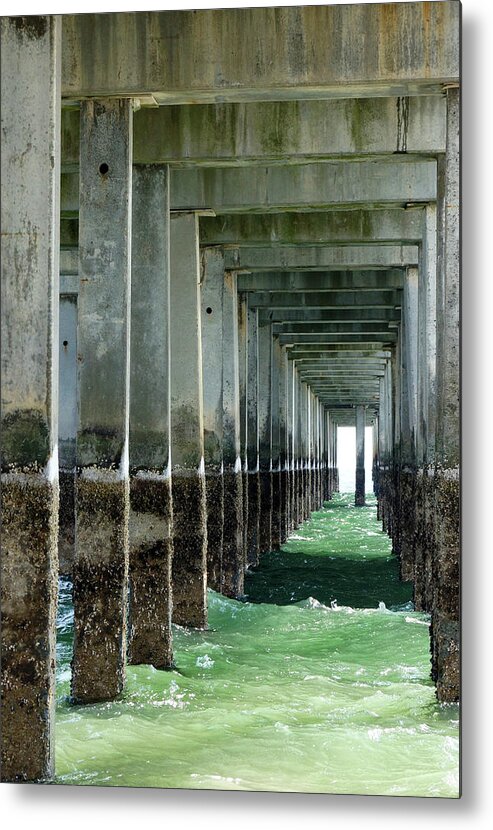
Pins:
x: 28, y: 638
x: 150, y: 557
x: 189, y: 549
x: 100, y: 586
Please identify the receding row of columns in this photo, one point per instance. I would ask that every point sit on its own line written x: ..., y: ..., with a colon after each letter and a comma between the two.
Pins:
x: 417, y: 473
x: 168, y: 475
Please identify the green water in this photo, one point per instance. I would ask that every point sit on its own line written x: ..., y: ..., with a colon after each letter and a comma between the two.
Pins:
x: 283, y: 692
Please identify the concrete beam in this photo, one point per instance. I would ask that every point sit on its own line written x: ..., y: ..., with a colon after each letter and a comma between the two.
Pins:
x: 330, y: 315
x: 278, y: 52
x: 269, y: 132
x: 388, y: 226
x: 334, y: 258
x: 337, y: 339
x: 331, y: 298
x: 307, y: 187
x: 364, y: 279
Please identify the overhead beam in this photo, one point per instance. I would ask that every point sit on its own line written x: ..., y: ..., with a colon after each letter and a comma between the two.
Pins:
x: 307, y: 187
x: 346, y: 227
x: 329, y: 315
x: 330, y: 298
x: 261, y: 53
x: 341, y: 280
x: 288, y: 258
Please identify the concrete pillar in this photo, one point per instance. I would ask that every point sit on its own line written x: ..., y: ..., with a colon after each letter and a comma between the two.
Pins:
x: 100, y: 584
x: 445, y: 612
x: 300, y: 449
x: 233, y: 565
x: 305, y: 449
x: 265, y: 434
x: 276, y: 443
x: 150, y: 528
x: 187, y: 427
x: 426, y: 411
x: 252, y: 439
x: 242, y: 379
x: 359, y: 498
x: 30, y: 170
x: 284, y: 446
x: 212, y: 368
x: 408, y: 410
x: 67, y: 430
x: 335, y: 469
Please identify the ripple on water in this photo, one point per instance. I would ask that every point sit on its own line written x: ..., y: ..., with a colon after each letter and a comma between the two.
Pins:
x: 284, y: 691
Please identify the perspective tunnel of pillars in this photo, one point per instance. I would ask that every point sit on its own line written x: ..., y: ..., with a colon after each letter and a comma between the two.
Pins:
x: 224, y: 234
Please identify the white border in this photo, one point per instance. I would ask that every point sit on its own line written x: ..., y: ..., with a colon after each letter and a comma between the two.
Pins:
x: 57, y: 808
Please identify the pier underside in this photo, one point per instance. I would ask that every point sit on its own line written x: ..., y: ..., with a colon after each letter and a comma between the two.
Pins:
x: 224, y: 235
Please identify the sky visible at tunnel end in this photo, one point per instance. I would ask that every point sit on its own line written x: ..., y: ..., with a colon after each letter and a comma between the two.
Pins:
x: 50, y: 808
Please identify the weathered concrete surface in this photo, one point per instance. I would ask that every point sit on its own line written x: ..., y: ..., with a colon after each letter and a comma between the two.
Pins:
x: 214, y: 490
x: 267, y: 62
x: 150, y: 524
x: 100, y: 586
x: 385, y: 226
x: 187, y: 428
x: 266, y: 132
x: 189, y: 549
x: 30, y: 167
x: 254, y: 502
x: 308, y: 187
x: 100, y: 574
x: 29, y: 578
x: 211, y: 290
x: 292, y: 258
x: 233, y: 550
x: 151, y: 551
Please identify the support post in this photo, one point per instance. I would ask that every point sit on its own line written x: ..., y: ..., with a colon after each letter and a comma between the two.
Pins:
x: 233, y: 554
x: 187, y: 427
x: 265, y: 435
x: 212, y: 369
x: 100, y: 585
x: 252, y: 440
x: 446, y: 611
x: 150, y: 527
x: 275, y: 442
x: 359, y: 498
x: 30, y: 171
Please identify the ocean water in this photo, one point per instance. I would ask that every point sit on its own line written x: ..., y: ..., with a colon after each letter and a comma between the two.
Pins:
x: 318, y: 681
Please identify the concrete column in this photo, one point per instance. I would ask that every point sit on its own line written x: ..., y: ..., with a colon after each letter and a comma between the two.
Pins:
x: 212, y: 368
x: 150, y: 526
x: 284, y: 446
x: 187, y: 427
x: 408, y: 404
x: 275, y: 442
x: 30, y: 170
x: 445, y: 612
x: 300, y: 450
x: 426, y: 410
x: 67, y: 430
x: 265, y: 434
x: 243, y: 378
x: 305, y: 449
x: 336, y: 469
x: 359, y: 498
x: 233, y: 565
x: 252, y: 440
x: 100, y: 584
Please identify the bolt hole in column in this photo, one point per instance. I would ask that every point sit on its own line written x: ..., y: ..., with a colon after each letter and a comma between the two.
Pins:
x: 208, y: 310
x: 65, y: 344
x: 103, y: 168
